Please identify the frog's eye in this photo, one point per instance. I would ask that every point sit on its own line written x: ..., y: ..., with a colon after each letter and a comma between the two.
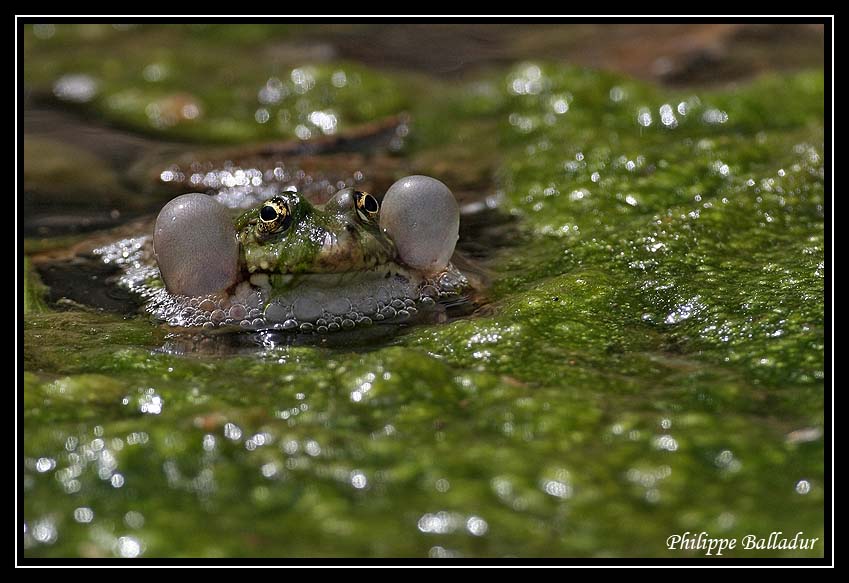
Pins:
x: 367, y: 206
x: 274, y: 216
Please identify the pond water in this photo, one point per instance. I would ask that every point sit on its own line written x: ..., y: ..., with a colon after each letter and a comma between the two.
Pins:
x: 647, y: 357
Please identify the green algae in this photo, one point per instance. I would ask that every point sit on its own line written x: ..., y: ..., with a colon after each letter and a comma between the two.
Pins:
x: 692, y: 221
x: 651, y: 361
x: 205, y: 83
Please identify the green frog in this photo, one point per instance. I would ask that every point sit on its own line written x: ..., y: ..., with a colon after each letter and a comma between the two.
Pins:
x: 291, y: 265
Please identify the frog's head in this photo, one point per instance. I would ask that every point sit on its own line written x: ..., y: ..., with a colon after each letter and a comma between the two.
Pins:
x: 201, y: 249
x: 288, y: 235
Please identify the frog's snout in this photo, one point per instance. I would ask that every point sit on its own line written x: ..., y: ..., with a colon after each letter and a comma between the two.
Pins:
x: 195, y: 245
x: 422, y: 217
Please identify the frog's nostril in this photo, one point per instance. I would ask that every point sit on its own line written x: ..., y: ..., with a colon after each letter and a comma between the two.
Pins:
x: 341, y: 202
x: 350, y: 228
x: 421, y: 216
x: 195, y: 245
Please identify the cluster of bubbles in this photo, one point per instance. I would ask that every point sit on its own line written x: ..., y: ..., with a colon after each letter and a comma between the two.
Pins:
x: 286, y: 102
x: 304, y: 102
x: 551, y: 103
x: 76, y: 88
x: 669, y: 114
x: 449, y: 522
x: 245, y: 187
x: 84, y: 457
x: 390, y: 294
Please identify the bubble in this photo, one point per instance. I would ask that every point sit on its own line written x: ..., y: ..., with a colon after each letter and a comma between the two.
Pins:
x: 617, y: 94
x: 303, y: 132
x: 44, y: 531
x: 666, y: 443
x: 237, y: 312
x: 358, y: 480
x: 154, y: 73
x: 275, y: 312
x: 667, y: 116
x: 83, y: 515
x: 232, y: 432
x: 557, y: 489
x: 77, y: 88
x: 326, y: 121
x: 339, y: 79
x: 477, y: 526
x: 128, y: 547
x: 45, y: 464
x: 44, y: 31
x: 134, y: 519
x: 714, y: 116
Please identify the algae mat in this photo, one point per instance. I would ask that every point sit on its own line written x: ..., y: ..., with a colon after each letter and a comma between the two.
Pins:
x: 650, y: 360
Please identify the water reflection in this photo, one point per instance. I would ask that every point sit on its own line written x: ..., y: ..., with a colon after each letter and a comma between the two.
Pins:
x: 128, y: 547
x: 76, y: 88
x: 83, y: 514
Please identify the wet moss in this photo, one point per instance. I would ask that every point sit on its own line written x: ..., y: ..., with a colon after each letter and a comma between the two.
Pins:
x: 651, y: 361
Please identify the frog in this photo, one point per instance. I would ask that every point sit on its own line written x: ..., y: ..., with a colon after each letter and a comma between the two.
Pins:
x: 288, y: 264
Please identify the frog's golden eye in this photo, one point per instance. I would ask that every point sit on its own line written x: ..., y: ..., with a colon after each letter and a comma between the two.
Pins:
x: 274, y: 216
x: 367, y: 206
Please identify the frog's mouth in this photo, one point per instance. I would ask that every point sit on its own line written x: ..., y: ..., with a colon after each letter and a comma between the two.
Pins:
x: 375, y: 276
x: 345, y: 259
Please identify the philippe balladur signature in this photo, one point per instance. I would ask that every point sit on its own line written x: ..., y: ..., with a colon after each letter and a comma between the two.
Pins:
x: 704, y: 542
